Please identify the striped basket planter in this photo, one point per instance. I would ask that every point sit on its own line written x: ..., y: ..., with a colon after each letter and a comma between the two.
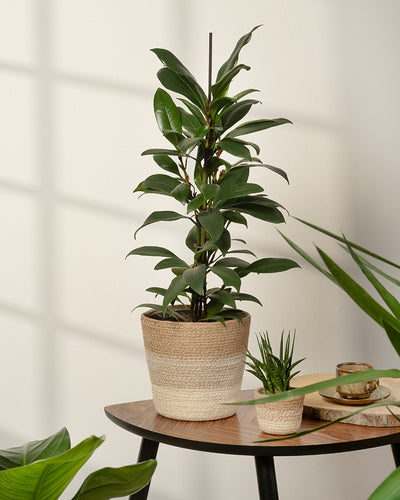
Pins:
x: 280, y: 417
x: 194, y: 367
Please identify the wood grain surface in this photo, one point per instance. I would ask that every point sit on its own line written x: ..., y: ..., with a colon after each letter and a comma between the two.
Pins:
x: 319, y: 408
x: 237, y: 434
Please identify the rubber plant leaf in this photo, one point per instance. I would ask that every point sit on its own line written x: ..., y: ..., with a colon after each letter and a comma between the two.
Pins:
x: 195, y: 278
x: 166, y: 112
x: 177, y: 285
x: 152, y: 251
x: 233, y: 58
x: 35, y: 450
x: 213, y: 222
x: 228, y: 276
x: 221, y: 86
x: 116, y: 482
x: 46, y: 479
x: 236, y: 112
x: 268, y: 265
x: 183, y: 85
x: 161, y: 216
x: 256, y: 126
x: 235, y: 148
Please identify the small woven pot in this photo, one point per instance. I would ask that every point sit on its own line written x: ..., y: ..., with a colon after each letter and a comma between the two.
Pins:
x: 195, y: 367
x: 279, y: 417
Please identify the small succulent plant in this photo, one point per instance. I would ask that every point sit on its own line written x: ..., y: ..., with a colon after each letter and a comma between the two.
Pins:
x: 275, y: 372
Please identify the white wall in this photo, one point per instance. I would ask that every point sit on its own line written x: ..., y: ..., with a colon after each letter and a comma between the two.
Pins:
x: 76, y: 85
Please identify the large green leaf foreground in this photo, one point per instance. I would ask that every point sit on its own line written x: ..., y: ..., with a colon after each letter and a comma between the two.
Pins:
x: 43, y: 469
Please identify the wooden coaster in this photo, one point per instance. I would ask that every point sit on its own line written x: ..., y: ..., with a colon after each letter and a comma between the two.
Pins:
x: 319, y: 408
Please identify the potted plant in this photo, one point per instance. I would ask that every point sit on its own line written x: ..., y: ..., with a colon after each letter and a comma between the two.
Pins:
x: 275, y: 374
x: 196, y: 338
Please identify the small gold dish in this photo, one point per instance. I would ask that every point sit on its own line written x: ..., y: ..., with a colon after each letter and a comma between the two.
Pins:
x: 332, y: 395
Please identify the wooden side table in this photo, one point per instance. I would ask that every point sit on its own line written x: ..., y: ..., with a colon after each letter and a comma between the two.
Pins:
x: 236, y: 435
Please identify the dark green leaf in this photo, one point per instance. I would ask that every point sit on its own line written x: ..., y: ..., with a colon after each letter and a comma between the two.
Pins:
x: 208, y: 247
x: 243, y: 93
x: 166, y: 113
x: 195, y: 278
x: 194, y: 110
x: 169, y: 312
x: 195, y: 203
x: 248, y: 252
x: 258, y: 207
x: 235, y: 148
x: 161, y: 151
x: 228, y: 276
x: 236, y: 112
x: 152, y: 251
x: 181, y: 192
x: 183, y: 85
x: 159, y: 182
x: 213, y: 222
x: 233, y: 58
x: 191, y: 239
x: 246, y: 296
x: 224, y: 242
x: 161, y: 216
x: 176, y: 286
x: 236, y: 191
x: 277, y: 170
x: 268, y: 265
x: 231, y: 262
x: 218, y: 104
x: 256, y: 126
x: 192, y: 124
x: 234, y: 217
x: 35, y: 450
x: 157, y: 290
x: 170, y: 262
x: 209, y: 190
x: 171, y: 61
x: 222, y: 297
x: 188, y: 143
x: 166, y: 163
x: 110, y: 482
x: 221, y: 86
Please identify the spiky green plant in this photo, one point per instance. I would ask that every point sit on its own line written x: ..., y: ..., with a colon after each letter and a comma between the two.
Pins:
x: 275, y: 372
x: 212, y: 189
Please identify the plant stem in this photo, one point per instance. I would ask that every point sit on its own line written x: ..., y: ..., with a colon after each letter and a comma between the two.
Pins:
x: 210, y: 40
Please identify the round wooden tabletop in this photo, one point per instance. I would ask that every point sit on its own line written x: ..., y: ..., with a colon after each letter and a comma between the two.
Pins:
x: 237, y: 435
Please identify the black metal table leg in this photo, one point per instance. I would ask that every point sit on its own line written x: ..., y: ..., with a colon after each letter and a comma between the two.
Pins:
x: 148, y: 450
x: 396, y: 453
x: 267, y: 487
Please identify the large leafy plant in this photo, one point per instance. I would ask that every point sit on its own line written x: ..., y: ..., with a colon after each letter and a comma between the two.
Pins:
x: 384, y: 310
x: 43, y: 469
x: 213, y: 189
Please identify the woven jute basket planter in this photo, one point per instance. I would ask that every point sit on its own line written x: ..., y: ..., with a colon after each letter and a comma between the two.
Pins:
x: 195, y: 367
x: 279, y: 417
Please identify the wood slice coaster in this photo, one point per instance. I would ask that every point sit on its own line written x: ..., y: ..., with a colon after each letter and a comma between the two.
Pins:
x: 318, y: 408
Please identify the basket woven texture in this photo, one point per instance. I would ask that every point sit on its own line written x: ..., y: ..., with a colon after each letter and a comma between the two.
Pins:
x: 280, y: 417
x: 195, y: 367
